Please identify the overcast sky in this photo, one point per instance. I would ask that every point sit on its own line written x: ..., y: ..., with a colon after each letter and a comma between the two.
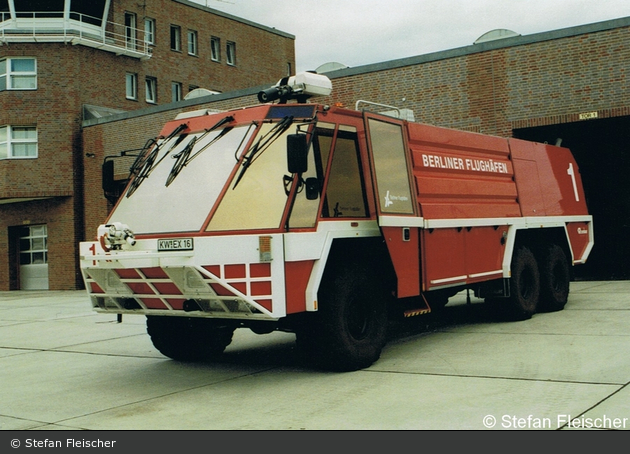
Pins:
x: 360, y: 32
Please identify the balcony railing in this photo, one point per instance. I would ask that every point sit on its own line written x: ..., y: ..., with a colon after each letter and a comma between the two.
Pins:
x: 74, y: 28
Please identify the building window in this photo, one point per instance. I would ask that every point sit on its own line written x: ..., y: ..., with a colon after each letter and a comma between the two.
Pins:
x: 18, y: 74
x: 215, y: 48
x: 5, y: 13
x: 131, y: 30
x: 176, y: 91
x: 17, y: 142
x: 231, y: 53
x: 149, y: 30
x: 90, y: 12
x: 151, y: 90
x: 176, y: 38
x: 132, y: 86
x: 192, y: 42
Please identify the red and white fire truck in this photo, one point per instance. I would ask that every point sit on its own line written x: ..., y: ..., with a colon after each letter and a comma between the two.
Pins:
x: 324, y: 221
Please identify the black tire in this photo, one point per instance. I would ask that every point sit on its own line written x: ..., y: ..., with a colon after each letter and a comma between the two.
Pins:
x: 188, y: 339
x: 555, y: 278
x: 350, y: 329
x: 524, y: 285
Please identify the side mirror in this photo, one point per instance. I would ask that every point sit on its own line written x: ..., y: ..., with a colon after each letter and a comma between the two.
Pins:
x: 312, y: 188
x: 297, y: 153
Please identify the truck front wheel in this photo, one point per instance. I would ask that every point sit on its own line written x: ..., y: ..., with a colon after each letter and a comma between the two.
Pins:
x: 188, y: 339
x: 349, y: 330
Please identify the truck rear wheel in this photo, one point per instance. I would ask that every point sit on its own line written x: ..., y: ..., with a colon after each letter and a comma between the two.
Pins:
x: 524, y: 285
x: 349, y: 331
x: 188, y: 339
x: 555, y: 278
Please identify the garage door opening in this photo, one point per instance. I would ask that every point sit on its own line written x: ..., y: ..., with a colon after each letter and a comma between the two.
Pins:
x: 602, y: 151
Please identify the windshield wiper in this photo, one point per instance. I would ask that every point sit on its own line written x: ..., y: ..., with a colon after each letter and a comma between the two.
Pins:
x: 183, y: 157
x: 263, y: 144
x: 145, y: 163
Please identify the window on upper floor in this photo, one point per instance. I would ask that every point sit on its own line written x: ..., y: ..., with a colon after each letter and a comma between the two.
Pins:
x: 131, y: 84
x: 215, y: 48
x: 231, y: 53
x: 176, y: 91
x: 176, y: 38
x: 91, y: 12
x: 41, y: 8
x: 151, y: 90
x: 192, y: 42
x: 149, y: 30
x: 18, y: 73
x: 18, y: 142
x: 131, y: 30
x: 5, y: 13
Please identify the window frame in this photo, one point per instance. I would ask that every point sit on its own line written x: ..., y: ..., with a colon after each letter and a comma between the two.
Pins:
x: 10, y: 141
x: 149, y: 30
x: 193, y: 43
x: 37, y: 239
x: 176, y: 38
x: 176, y: 91
x: 230, y: 50
x: 131, y: 30
x: 215, y: 48
x: 133, y: 78
x: 150, y: 87
x: 388, y: 149
x: 10, y: 75
x: 345, y: 144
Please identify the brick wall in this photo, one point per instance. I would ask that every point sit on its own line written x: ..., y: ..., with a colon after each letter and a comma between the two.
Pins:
x: 58, y: 214
x: 70, y: 76
x: 497, y: 87
x: 261, y: 53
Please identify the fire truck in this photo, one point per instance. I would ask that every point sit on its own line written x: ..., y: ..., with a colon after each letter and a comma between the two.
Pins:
x: 326, y: 222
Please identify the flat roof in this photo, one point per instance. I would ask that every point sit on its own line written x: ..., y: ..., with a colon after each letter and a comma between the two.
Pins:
x: 235, y: 18
x: 482, y: 47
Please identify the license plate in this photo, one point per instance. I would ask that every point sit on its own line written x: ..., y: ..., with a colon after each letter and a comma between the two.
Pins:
x: 175, y: 244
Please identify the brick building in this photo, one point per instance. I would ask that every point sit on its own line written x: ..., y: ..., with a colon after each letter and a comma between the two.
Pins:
x: 570, y: 85
x: 65, y: 61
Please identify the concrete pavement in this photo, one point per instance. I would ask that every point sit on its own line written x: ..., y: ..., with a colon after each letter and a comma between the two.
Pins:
x: 64, y: 367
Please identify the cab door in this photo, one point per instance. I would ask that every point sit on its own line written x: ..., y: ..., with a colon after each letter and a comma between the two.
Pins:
x: 396, y: 203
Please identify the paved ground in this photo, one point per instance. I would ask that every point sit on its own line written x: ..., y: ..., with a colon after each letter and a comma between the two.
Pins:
x: 64, y: 367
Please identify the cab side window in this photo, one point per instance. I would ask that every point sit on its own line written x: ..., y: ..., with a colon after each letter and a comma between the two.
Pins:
x: 345, y: 190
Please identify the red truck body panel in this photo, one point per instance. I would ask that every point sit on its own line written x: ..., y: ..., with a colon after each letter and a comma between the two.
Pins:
x: 461, y: 175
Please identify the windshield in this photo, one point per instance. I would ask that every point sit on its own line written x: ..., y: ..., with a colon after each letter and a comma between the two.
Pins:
x: 175, y: 194
x: 257, y: 196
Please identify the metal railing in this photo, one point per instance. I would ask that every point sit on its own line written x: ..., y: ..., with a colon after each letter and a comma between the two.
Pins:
x: 74, y: 27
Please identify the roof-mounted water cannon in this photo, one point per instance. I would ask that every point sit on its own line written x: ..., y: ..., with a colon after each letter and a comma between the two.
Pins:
x: 300, y: 87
